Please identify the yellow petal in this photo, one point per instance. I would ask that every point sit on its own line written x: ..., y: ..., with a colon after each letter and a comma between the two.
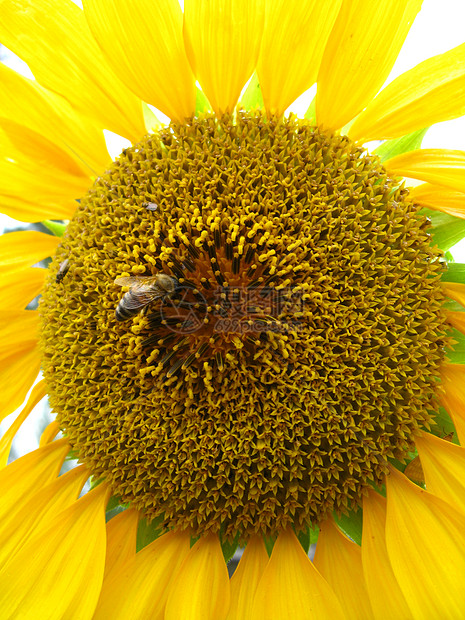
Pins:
x: 29, y: 210
x: 38, y: 392
x: 27, y: 516
x: 200, y: 590
x: 425, y: 538
x: 431, y: 92
x: 16, y: 291
x: 58, y: 572
x: 222, y: 42
x: 444, y: 467
x: 457, y: 320
x: 245, y: 580
x: 34, y: 168
x: 291, y: 588
x: 360, y: 53
x: 49, y: 433
x: 455, y: 291
x: 25, y: 102
x: 440, y: 166
x: 439, y: 198
x: 19, y: 357
x: 29, y: 473
x: 293, y: 42
x: 387, y: 600
x: 56, y: 43
x: 25, y: 248
x: 453, y: 397
x: 121, y: 540
x: 140, y: 588
x: 142, y: 40
x: 339, y: 561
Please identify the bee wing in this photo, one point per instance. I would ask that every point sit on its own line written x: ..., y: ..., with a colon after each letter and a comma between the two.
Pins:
x: 135, y: 280
x: 136, y: 300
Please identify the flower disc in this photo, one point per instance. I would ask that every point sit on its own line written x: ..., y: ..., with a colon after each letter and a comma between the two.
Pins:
x: 292, y: 350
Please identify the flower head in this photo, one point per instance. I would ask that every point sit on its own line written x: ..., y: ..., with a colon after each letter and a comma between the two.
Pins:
x: 246, y: 329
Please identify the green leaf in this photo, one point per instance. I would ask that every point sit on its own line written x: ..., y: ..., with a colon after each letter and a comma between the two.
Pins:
x: 455, y: 273
x: 445, y: 229
x: 410, y: 142
x: 56, y: 227
x: 351, y: 524
x: 148, y: 532
x: 252, y: 98
x: 201, y: 103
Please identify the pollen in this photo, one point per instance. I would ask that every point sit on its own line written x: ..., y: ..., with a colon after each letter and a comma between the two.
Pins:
x: 291, y: 348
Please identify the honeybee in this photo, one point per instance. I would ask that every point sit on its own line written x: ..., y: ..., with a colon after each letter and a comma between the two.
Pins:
x: 144, y: 289
x: 62, y: 270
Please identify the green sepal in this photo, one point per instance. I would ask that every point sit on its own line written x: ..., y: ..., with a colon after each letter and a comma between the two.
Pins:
x: 456, y: 354
x: 148, y: 532
x: 150, y: 118
x: 443, y: 425
x: 56, y: 227
x: 455, y: 273
x: 110, y: 513
x: 410, y: 142
x: 446, y: 230
x: 229, y: 547
x: 310, y: 114
x: 351, y: 524
x: 304, y: 539
x: 269, y: 543
x: 202, y: 104
x: 252, y: 98
x: 308, y: 537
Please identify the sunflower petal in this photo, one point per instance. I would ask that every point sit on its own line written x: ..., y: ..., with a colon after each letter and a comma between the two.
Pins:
x: 440, y: 166
x: 387, y: 600
x: 142, y: 40
x: 25, y: 248
x: 360, y: 53
x: 431, y: 92
x: 54, y: 575
x: 25, y: 102
x: 291, y: 588
x: 19, y: 357
x: 339, y: 561
x: 49, y: 433
x: 38, y: 392
x: 246, y: 577
x: 57, y: 45
x: 293, y: 42
x: 34, y: 168
x: 16, y: 292
x: 29, y: 473
x: 453, y: 397
x: 26, y: 517
x: 439, y: 198
x: 121, y: 540
x: 444, y: 466
x: 140, y: 588
x: 200, y: 590
x: 223, y: 41
x: 425, y: 538
x: 455, y: 291
x: 457, y: 320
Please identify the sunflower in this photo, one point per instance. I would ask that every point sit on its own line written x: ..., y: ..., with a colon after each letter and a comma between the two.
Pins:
x: 250, y: 332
